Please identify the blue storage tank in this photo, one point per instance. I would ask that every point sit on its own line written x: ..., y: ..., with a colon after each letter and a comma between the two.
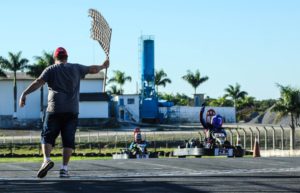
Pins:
x: 148, y: 102
x: 148, y: 60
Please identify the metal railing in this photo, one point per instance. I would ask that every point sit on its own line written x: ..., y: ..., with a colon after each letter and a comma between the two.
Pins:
x: 270, y: 137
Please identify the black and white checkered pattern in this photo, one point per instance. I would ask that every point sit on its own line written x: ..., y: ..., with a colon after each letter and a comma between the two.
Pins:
x: 100, y: 30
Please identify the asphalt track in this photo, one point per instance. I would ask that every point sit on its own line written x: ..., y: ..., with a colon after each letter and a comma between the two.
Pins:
x: 158, y: 176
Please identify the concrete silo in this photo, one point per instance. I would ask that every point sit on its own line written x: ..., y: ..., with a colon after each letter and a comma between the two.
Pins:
x: 149, y: 101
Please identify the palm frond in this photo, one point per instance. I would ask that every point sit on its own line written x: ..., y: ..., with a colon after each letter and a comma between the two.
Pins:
x: 161, y: 78
x: 119, y: 78
x: 194, y: 79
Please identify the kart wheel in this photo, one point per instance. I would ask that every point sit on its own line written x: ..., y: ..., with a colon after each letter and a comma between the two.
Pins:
x: 200, y: 146
x: 226, y: 144
x: 238, y: 152
x: 209, y: 152
x: 153, y: 155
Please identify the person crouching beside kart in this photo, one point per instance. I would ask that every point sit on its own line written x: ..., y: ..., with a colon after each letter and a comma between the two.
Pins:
x: 213, y: 124
x: 138, y: 146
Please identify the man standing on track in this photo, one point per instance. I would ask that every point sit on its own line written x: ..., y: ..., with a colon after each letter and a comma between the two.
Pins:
x: 63, y: 81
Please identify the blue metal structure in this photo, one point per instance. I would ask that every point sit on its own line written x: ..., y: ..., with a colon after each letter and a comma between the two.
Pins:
x: 149, y: 100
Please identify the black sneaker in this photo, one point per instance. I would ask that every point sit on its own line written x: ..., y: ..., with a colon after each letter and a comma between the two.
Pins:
x: 46, y: 166
x: 63, y: 173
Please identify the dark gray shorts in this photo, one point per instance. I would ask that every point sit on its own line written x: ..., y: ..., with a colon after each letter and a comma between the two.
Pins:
x: 63, y: 123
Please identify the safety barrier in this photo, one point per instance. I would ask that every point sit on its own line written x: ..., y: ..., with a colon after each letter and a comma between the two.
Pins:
x: 269, y: 137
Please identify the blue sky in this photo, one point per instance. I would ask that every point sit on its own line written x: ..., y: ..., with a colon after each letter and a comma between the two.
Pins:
x: 255, y: 43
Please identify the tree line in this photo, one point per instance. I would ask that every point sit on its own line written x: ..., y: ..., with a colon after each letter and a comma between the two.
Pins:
x: 287, y: 104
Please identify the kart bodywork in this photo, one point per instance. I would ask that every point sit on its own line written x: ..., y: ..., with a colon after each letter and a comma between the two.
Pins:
x: 138, y: 151
x: 219, y: 146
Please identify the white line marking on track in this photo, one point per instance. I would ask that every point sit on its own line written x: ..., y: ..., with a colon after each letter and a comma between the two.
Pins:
x: 163, y: 166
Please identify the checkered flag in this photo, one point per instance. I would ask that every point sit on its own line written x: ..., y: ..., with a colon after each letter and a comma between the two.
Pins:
x: 101, y: 32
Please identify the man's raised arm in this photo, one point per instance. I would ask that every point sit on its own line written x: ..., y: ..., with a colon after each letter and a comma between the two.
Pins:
x: 94, y: 69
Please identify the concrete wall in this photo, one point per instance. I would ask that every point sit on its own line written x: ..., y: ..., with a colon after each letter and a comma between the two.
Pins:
x: 191, y: 114
x: 32, y: 108
x: 90, y: 86
x: 93, y: 109
x: 280, y: 153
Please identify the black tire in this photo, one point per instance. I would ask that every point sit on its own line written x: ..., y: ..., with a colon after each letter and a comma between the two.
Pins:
x: 153, y: 155
x: 200, y: 145
x: 209, y: 152
x: 238, y: 152
x: 227, y: 144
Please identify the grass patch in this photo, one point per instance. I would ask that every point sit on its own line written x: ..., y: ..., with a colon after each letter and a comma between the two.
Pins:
x: 78, y: 158
x: 35, y: 150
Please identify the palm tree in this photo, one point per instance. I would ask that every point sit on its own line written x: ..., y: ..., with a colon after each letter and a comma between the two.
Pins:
x: 166, y: 96
x: 36, y: 69
x: 182, y: 99
x: 289, y: 104
x: 14, y: 63
x: 221, y: 102
x: 194, y: 79
x: 161, y: 79
x: 114, y: 90
x: 246, y: 108
x: 247, y: 102
x: 235, y: 93
x: 178, y: 99
x: 2, y: 73
x: 120, y: 78
x: 47, y: 57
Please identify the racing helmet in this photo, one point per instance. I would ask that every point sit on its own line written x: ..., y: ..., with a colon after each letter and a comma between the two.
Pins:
x: 137, y: 130
x: 137, y: 137
x: 209, y: 115
x: 217, y: 121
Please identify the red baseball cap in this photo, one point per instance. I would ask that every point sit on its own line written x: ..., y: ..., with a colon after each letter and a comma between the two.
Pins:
x: 60, y: 51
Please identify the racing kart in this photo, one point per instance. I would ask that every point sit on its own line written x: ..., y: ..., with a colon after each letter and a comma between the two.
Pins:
x: 191, y: 148
x: 218, y: 146
x: 138, y: 151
